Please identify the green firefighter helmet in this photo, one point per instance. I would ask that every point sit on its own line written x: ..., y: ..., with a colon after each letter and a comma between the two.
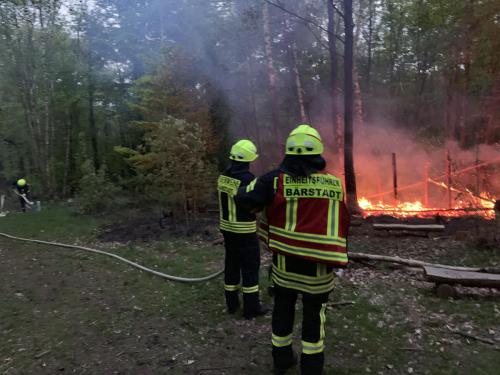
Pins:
x: 243, y: 150
x: 304, y: 140
x: 21, y: 182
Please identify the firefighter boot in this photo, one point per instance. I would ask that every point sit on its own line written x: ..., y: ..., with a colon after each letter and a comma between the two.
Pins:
x: 284, y: 359
x: 312, y: 364
x: 252, y: 307
x: 232, y: 301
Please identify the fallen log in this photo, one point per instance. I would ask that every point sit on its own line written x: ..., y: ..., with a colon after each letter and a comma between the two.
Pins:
x: 447, y: 276
x: 417, y: 263
x: 410, y: 227
x: 412, y: 263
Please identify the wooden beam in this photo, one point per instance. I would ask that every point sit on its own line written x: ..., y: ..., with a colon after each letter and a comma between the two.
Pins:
x: 466, y: 278
x: 411, y: 227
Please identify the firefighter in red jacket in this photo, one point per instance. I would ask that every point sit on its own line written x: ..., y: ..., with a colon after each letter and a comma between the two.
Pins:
x: 305, y: 226
x: 239, y: 228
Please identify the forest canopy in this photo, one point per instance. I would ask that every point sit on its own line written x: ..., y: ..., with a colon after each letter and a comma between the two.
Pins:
x: 80, y: 80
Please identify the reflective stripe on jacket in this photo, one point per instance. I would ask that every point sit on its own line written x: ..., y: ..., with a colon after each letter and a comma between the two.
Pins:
x: 308, y: 219
x: 231, y: 217
x: 300, y: 274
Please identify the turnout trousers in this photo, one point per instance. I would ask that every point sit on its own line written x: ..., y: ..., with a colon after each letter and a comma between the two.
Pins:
x: 22, y: 202
x: 242, y: 263
x: 313, y: 329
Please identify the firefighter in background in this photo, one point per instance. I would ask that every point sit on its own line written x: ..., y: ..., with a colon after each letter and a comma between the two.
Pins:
x: 22, y: 190
x: 239, y: 229
x: 305, y: 226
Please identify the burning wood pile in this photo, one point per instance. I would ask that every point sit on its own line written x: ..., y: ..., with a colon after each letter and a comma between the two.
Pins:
x: 474, y: 206
x: 447, y: 195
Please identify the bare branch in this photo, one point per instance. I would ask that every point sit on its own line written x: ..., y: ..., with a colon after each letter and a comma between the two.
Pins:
x: 320, y: 41
x: 337, y: 9
x: 305, y: 19
x: 317, y: 37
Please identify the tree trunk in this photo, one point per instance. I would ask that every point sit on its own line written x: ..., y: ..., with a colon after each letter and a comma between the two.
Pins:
x: 254, y: 116
x: 350, y: 177
x: 72, y: 124
x: 332, y: 49
x: 92, y: 123
x: 358, y: 101
x: 298, y: 85
x: 272, y: 75
x: 467, y: 58
x: 358, y: 98
x: 450, y: 110
x: 369, y: 42
x: 67, y: 156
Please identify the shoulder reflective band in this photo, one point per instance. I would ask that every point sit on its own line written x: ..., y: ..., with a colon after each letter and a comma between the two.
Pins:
x: 314, y: 186
x: 228, y: 185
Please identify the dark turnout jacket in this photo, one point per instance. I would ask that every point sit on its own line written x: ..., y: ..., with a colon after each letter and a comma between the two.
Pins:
x: 233, y: 216
x: 21, y: 189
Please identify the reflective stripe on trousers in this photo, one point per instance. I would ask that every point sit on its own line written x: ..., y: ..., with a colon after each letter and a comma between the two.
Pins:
x: 319, y: 346
x: 250, y: 289
x: 232, y: 288
x: 281, y: 341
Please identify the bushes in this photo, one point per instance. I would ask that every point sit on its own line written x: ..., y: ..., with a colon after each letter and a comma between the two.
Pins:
x: 172, y: 166
x: 96, y: 192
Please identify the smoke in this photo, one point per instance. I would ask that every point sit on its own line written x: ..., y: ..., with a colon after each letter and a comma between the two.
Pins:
x: 416, y: 159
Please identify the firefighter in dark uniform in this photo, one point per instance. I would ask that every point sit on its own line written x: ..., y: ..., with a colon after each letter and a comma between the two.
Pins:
x: 305, y: 226
x: 239, y: 228
x: 22, y: 190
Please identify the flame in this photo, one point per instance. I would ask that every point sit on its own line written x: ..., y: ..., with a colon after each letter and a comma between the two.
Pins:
x: 470, y: 204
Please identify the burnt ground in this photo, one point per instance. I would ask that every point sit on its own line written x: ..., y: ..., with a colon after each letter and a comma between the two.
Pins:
x: 63, y: 311
x: 144, y: 225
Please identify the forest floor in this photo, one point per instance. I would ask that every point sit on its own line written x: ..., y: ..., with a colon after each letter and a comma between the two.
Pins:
x: 65, y: 311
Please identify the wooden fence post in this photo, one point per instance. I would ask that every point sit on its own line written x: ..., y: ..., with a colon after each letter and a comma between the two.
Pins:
x: 497, y: 220
x: 395, y: 177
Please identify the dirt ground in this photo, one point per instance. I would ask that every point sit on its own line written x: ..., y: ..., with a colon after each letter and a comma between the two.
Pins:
x: 71, y: 312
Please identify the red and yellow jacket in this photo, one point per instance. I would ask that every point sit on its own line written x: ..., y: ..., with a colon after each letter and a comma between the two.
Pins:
x: 305, y: 224
x: 308, y: 219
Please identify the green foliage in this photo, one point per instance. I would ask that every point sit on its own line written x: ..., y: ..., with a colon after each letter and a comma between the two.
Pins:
x: 173, y: 166
x: 96, y: 193
x: 70, y: 70
x: 177, y: 88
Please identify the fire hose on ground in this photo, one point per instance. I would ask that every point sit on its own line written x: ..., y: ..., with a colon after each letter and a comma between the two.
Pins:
x: 121, y: 259
x: 353, y: 256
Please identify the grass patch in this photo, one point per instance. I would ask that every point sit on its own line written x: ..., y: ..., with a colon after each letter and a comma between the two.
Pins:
x: 94, y: 314
x: 53, y: 223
